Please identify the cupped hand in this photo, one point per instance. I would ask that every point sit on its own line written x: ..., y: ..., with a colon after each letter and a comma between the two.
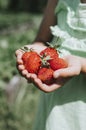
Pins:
x: 38, y: 47
x: 61, y: 76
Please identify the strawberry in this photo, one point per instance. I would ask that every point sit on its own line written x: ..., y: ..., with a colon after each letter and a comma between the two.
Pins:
x: 49, y: 51
x: 46, y: 75
x: 33, y: 63
x: 26, y: 55
x: 58, y: 63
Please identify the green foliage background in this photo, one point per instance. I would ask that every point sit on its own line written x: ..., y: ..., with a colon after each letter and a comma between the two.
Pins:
x: 16, y: 30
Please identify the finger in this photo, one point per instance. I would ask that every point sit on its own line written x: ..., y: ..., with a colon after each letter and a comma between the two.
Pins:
x: 24, y: 72
x: 18, y: 52
x: 44, y: 87
x: 21, y: 67
x: 38, y: 83
x: 67, y: 72
x: 33, y: 76
x: 30, y: 77
x: 52, y: 88
x: 19, y: 59
x: 27, y: 75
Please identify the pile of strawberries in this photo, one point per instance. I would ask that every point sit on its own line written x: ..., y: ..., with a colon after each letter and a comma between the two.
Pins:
x: 43, y: 64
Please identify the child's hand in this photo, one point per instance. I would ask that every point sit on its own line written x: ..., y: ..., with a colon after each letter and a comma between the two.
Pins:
x: 36, y: 47
x: 74, y: 67
x: 61, y: 76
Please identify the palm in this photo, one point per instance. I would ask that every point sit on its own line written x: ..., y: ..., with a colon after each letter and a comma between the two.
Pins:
x: 61, y: 76
x: 48, y: 88
x: 36, y: 47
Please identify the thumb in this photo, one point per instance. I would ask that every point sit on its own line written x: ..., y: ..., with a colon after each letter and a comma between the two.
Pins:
x: 67, y: 72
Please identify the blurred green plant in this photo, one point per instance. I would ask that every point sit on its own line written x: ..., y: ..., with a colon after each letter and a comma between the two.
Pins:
x: 14, y: 38
x: 3, y: 4
x: 15, y: 19
x: 19, y: 114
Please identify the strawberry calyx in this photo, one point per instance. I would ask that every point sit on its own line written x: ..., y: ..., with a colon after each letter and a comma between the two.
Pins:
x: 54, y: 44
x: 45, y: 59
x: 26, y: 49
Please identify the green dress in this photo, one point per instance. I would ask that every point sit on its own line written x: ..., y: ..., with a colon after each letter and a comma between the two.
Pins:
x: 65, y: 108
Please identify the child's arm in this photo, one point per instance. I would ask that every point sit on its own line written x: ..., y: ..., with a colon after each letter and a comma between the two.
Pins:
x: 49, y: 19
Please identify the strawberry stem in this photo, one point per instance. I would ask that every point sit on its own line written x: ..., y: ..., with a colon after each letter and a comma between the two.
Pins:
x: 54, y: 44
x: 26, y: 49
x: 44, y: 60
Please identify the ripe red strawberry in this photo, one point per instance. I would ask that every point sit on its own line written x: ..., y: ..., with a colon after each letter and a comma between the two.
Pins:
x: 33, y: 63
x: 49, y: 51
x: 46, y: 75
x: 26, y: 55
x: 58, y: 63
